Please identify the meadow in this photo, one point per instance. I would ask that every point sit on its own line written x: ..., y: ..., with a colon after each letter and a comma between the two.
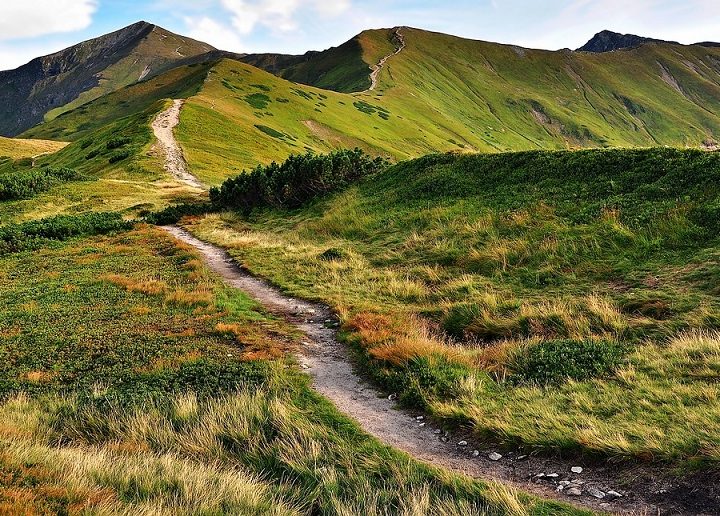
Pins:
x: 133, y: 381
x: 553, y: 300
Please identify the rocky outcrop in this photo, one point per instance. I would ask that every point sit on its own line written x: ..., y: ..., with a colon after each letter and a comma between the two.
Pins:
x: 608, y: 41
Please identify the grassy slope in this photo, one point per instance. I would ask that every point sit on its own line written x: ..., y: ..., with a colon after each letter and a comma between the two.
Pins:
x: 131, y: 185
x: 514, y: 251
x: 219, y: 126
x: 132, y: 381
x: 341, y: 68
x: 473, y: 96
x: 488, y: 92
x: 16, y: 148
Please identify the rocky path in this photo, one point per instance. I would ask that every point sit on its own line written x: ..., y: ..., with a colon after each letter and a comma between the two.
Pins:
x: 175, y: 163
x: 379, y: 67
x: 603, y: 487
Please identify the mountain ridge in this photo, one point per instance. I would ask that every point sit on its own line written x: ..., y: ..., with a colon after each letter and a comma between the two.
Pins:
x: 610, y: 41
x: 49, y: 85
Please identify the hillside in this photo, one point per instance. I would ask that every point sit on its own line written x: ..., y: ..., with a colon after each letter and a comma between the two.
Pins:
x: 17, y: 148
x: 341, y: 68
x: 48, y: 86
x: 549, y: 300
x: 475, y: 96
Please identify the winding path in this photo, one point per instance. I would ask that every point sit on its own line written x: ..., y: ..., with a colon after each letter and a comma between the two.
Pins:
x: 330, y: 365
x: 175, y: 163
x: 646, y: 489
x: 379, y: 67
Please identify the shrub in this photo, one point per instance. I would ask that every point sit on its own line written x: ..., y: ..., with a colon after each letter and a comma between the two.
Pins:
x: 331, y: 255
x: 27, y: 183
x: 173, y: 214
x: 119, y: 156
x: 117, y: 142
x: 294, y: 183
x: 36, y: 234
x: 555, y: 361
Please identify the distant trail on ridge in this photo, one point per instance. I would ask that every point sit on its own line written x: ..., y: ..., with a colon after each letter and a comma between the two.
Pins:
x: 379, y: 67
x: 175, y: 163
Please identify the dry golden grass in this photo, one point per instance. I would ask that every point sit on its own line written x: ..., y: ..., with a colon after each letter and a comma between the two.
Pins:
x: 398, y: 340
x: 148, y: 287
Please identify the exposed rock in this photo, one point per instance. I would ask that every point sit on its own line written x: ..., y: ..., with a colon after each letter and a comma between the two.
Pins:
x: 577, y: 470
x: 608, y: 41
x: 595, y: 492
x: 463, y: 443
x: 573, y: 491
x: 612, y: 495
x: 494, y: 456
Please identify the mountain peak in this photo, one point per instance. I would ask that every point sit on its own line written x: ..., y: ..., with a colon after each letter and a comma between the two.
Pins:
x: 609, y: 41
x: 49, y: 85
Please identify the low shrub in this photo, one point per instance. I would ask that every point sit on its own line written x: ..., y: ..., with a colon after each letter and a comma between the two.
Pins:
x: 28, y: 183
x: 555, y: 361
x: 173, y: 214
x: 294, y: 183
x: 117, y: 141
x: 39, y: 233
x: 119, y: 156
x: 331, y: 255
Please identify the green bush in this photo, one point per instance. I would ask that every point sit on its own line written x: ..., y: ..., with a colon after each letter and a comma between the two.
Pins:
x: 294, y: 183
x: 423, y: 379
x: 119, y: 156
x: 28, y: 183
x: 173, y: 214
x: 556, y: 361
x: 37, y: 234
x: 331, y: 255
x: 118, y: 141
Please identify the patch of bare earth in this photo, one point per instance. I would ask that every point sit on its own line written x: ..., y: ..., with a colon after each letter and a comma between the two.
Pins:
x: 163, y: 127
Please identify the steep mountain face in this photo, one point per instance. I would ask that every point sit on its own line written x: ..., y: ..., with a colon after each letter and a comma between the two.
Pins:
x: 608, y: 41
x: 51, y: 85
x: 341, y: 68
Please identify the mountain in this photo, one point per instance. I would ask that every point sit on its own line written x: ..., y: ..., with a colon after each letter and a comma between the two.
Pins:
x: 434, y: 93
x: 608, y: 41
x: 50, y: 85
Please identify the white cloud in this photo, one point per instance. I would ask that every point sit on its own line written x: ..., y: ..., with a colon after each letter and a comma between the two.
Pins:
x: 32, y: 18
x: 210, y: 31
x: 278, y: 15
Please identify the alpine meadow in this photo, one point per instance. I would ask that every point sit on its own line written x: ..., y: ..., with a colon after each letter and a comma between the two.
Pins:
x: 412, y: 274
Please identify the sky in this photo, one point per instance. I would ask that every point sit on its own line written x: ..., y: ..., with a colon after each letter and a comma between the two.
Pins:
x: 31, y: 28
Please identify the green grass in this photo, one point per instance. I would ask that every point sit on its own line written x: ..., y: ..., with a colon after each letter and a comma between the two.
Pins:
x: 133, y: 381
x: 543, y: 298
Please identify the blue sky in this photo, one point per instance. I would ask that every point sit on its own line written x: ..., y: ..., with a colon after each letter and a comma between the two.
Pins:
x: 29, y: 28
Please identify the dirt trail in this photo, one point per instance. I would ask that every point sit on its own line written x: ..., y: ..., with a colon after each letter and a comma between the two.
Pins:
x: 175, y: 163
x: 644, y: 489
x: 379, y: 67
